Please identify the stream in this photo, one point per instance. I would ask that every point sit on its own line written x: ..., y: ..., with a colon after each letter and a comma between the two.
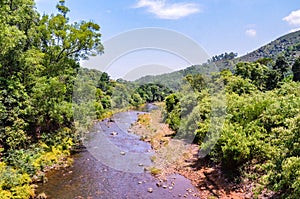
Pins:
x: 112, y: 166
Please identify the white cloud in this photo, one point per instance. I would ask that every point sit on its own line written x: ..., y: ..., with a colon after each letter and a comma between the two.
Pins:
x: 164, y: 10
x: 293, y: 18
x: 251, y: 32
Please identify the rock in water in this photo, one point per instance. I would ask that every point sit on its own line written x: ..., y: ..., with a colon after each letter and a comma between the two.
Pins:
x: 42, y: 196
x: 114, y: 133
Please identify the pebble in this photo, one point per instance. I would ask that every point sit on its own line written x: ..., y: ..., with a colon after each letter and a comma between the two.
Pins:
x: 141, y: 165
x: 170, y: 188
x: 189, y: 190
x: 122, y: 153
x: 41, y: 196
x: 114, y: 133
x: 140, y: 182
x: 248, y: 196
x: 150, y: 190
x: 164, y: 186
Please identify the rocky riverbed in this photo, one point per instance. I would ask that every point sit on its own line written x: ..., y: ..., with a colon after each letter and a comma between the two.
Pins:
x: 115, y: 164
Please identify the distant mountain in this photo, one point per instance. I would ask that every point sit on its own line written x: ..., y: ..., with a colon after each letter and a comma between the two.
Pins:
x: 287, y: 45
x: 172, y: 80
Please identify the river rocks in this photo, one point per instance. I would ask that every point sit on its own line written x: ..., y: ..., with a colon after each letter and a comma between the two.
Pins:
x: 111, y: 120
x: 122, y: 153
x: 150, y: 190
x: 248, y: 196
x: 113, y: 133
x: 140, y: 165
x: 41, y: 196
x: 164, y: 186
x: 140, y: 182
x: 189, y: 190
x: 34, y: 186
x: 35, y: 178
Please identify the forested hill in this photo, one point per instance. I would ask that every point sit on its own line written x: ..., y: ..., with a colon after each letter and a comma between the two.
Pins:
x: 172, y: 80
x: 287, y: 45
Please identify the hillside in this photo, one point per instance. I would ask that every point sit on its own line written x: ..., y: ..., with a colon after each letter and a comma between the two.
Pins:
x: 288, y: 45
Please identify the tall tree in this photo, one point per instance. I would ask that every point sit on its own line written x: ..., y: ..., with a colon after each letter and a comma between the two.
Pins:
x: 38, y: 61
x: 281, y: 67
x: 296, y: 70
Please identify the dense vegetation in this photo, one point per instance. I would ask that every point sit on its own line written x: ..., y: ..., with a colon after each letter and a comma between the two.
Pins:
x: 38, y: 64
x: 259, y: 131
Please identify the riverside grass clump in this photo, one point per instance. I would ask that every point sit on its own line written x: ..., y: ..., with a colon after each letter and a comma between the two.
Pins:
x: 260, y: 135
x: 144, y: 119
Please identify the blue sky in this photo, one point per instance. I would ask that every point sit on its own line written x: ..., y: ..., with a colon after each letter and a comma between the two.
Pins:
x: 216, y: 25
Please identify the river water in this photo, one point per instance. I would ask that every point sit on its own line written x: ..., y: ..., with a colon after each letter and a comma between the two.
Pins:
x: 113, y: 166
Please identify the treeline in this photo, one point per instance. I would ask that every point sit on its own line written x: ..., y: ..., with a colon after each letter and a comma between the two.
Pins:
x: 223, y: 57
x: 97, y: 96
x: 251, y: 118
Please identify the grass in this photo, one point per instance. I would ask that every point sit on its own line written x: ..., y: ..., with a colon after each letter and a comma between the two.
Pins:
x: 144, y: 119
x: 155, y: 171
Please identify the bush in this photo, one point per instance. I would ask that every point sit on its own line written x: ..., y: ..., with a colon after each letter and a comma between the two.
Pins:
x: 14, y: 185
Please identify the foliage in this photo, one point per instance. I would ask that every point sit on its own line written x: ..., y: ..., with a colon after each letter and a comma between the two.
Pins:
x: 149, y: 93
x: 172, y: 111
x: 39, y: 60
x: 296, y: 70
x: 14, y: 185
x: 260, y: 133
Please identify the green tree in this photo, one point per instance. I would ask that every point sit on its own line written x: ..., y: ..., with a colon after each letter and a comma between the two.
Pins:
x: 296, y: 70
x: 38, y: 62
x: 196, y: 81
x: 256, y: 72
x: 281, y: 66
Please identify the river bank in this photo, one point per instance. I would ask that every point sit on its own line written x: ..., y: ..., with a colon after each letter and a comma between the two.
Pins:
x: 173, y: 156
